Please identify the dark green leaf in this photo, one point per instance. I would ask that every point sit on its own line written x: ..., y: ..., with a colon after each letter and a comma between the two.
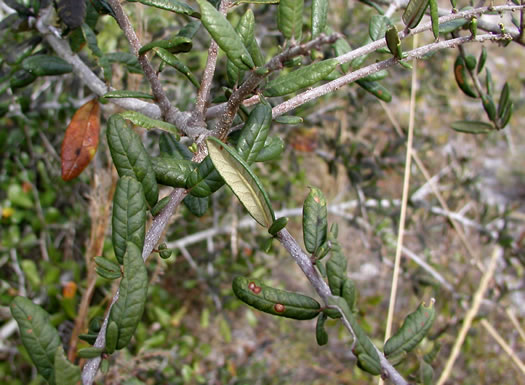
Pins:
x: 393, y: 42
x: 204, y: 180
x: 172, y: 172
x: 460, y: 73
x: 341, y: 47
x: 375, y: 89
x: 434, y: 17
x: 414, y: 12
x: 129, y: 216
x: 90, y: 352
x: 254, y: 133
x: 128, y: 309
x: 223, y: 33
x: 39, y: 337
x: 290, y: 18
x: 451, y: 26
x: 314, y: 220
x: 130, y: 156
x: 174, y: 45
x: 128, y: 59
x: 299, y: 79
x: 504, y: 99
x: 321, y: 335
x: 155, y: 210
x: 274, y: 301
x: 71, y: 12
x: 273, y: 148
x: 349, y: 293
x: 242, y: 181
x: 21, y: 78
x: 414, y: 329
x: 66, y: 373
x: 278, y: 225
x: 426, y: 373
x: 112, y: 335
x: 336, y: 269
x: 170, y: 146
x: 197, y: 205
x: 45, y: 65
x: 172, y: 60
x: 91, y: 40
x: 378, y: 26
x: 171, y: 5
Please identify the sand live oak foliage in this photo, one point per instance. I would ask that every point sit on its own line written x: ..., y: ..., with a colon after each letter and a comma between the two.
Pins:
x: 219, y: 85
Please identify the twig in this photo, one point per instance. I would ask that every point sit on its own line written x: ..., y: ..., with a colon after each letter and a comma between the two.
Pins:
x: 471, y: 313
x: 322, y: 289
x: 497, y: 337
x: 169, y: 112
x: 404, y: 201
x: 254, y: 79
x: 334, y: 85
x: 152, y: 237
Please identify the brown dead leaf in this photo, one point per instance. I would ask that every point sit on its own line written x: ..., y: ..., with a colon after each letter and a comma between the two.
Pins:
x: 81, y: 140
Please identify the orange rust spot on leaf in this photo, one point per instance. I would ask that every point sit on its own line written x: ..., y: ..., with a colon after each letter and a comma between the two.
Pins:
x: 29, y: 331
x: 69, y: 289
x: 252, y: 285
x: 458, y: 71
x: 316, y: 199
x: 257, y: 289
x: 29, y: 317
x: 279, y: 308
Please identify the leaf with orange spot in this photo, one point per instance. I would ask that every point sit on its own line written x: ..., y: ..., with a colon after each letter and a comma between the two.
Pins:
x: 81, y: 140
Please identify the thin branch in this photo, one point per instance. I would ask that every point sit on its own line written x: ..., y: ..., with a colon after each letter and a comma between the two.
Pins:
x: 152, y: 238
x: 471, y: 313
x: 169, y: 112
x: 255, y: 78
x: 515, y: 322
x: 322, y: 289
x: 334, y: 85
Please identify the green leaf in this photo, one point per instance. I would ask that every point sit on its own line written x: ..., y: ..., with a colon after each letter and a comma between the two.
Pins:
x: 290, y: 18
x: 144, y: 121
x: 472, y: 127
x: 289, y: 119
x: 155, y: 210
x: 91, y: 40
x: 242, y: 181
x: 321, y: 335
x: 460, y: 73
x: 434, y: 17
x: 375, y: 89
x: 254, y: 133
x: 197, y: 205
x: 127, y: 94
x: 130, y: 156
x: 482, y: 59
x: 128, y: 59
x: 378, y: 26
x: 129, y: 216
x: 414, y: 329
x: 107, y: 274
x: 112, y: 334
x: 451, y: 26
x: 66, y: 373
x: 128, y: 309
x: 38, y: 336
x: 426, y: 373
x: 341, y: 47
x: 190, y: 29
x: 336, y: 269
x: 274, y: 301
x: 393, y: 42
x: 45, y: 65
x: 170, y: 146
x: 256, y: 2
x: 368, y: 358
x: 315, y: 224
x: 273, y: 148
x: 204, y: 180
x: 504, y: 100
x: 278, y: 225
x: 246, y: 31
x: 414, y: 12
x: 349, y: 293
x: 319, y: 14
x: 172, y: 60
x: 171, y: 5
x: 107, y: 264
x: 175, y: 44
x: 223, y: 33
x: 172, y: 172
x: 92, y: 352
x: 299, y: 79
